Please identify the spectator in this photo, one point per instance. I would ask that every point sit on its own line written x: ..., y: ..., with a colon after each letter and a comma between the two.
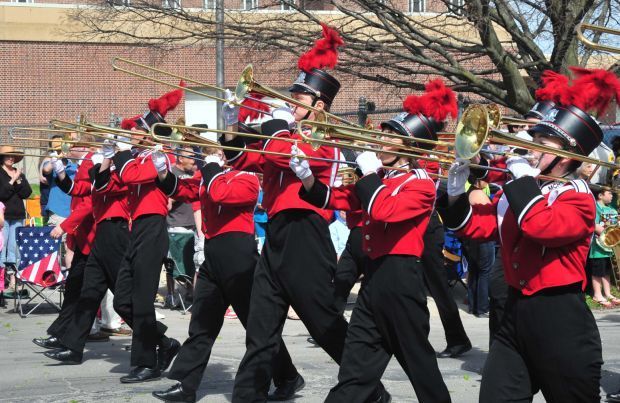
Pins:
x: 585, y: 171
x: 480, y: 259
x: 45, y: 179
x: 2, y: 302
x: 180, y: 220
x: 260, y: 218
x: 600, y: 259
x: 14, y: 188
x: 339, y: 232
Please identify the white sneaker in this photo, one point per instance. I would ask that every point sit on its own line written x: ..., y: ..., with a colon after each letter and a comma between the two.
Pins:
x: 159, y: 316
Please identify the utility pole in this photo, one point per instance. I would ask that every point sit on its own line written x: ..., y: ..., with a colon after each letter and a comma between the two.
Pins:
x: 219, y: 56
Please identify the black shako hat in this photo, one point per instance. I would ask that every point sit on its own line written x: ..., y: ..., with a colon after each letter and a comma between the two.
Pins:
x: 317, y: 82
x: 415, y: 125
x: 540, y: 109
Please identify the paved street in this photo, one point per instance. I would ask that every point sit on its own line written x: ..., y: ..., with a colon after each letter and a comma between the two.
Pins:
x: 27, y: 376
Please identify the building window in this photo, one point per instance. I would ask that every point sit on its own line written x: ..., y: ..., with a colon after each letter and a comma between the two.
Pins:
x: 119, y: 3
x: 312, y: 4
x: 210, y: 4
x: 171, y: 3
x: 286, y: 5
x: 250, y: 4
x: 456, y: 6
x: 22, y: 1
x: 416, y: 6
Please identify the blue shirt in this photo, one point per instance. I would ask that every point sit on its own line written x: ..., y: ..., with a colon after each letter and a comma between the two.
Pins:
x: 259, y: 214
x: 339, y: 233
x: 59, y: 202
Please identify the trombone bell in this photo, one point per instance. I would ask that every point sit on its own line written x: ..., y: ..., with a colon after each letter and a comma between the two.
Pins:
x: 471, y: 131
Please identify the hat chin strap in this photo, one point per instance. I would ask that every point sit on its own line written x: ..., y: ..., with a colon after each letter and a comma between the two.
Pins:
x: 308, y: 112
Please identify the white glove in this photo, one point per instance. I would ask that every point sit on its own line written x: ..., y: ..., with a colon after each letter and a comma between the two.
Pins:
x: 520, y: 167
x: 368, y: 162
x: 284, y: 113
x: 214, y: 158
x: 298, y: 164
x: 59, y: 167
x: 230, y: 110
x: 97, y: 158
x: 108, y: 150
x: 124, y: 144
x: 160, y: 161
x: 457, y: 177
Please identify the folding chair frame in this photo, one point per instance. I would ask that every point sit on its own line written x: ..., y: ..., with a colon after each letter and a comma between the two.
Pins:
x: 46, y: 294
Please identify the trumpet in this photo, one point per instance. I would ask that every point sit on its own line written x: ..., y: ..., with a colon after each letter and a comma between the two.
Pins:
x: 581, y: 27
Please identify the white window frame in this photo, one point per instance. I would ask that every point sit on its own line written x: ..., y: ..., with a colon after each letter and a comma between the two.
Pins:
x: 172, y: 4
x: 422, y: 6
x: 206, y: 4
x: 22, y: 2
x: 286, y: 6
x: 457, y: 3
x: 254, y: 4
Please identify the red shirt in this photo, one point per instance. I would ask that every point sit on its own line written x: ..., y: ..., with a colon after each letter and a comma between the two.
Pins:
x: 139, y: 174
x: 545, y: 234
x: 396, y: 210
x: 227, y: 199
x: 280, y: 184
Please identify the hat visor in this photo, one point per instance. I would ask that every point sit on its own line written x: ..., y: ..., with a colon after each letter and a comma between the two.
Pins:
x: 300, y: 89
x: 394, y: 127
x: 163, y: 131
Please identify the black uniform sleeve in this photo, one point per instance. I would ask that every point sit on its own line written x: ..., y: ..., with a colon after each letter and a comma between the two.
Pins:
x: 168, y: 185
x: 522, y: 194
x: 367, y: 188
x: 454, y: 216
x: 101, y: 179
x: 65, y: 185
x: 237, y: 142
x: 479, y: 173
x: 318, y: 195
x: 121, y: 159
x: 210, y: 171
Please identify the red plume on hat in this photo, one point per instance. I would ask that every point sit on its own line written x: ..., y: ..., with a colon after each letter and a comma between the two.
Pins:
x: 594, y: 89
x: 253, y: 102
x: 554, y: 88
x: 438, y: 102
x: 167, y: 102
x: 130, y: 123
x: 324, y: 53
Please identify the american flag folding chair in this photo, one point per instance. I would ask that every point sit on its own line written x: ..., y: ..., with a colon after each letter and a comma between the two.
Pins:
x: 39, y: 268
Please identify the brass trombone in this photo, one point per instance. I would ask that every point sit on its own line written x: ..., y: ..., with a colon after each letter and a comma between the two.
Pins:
x: 581, y: 27
x: 497, y: 119
x: 245, y: 86
x: 475, y: 128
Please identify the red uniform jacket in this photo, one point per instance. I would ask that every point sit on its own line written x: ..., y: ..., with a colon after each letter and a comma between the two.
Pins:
x: 280, y: 184
x: 355, y: 218
x: 396, y: 210
x: 139, y: 174
x: 489, y: 176
x: 544, y: 233
x: 80, y: 225
x: 110, y: 199
x: 227, y: 199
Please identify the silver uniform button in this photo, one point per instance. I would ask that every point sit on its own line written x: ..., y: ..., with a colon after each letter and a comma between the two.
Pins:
x: 367, y: 222
x: 516, y: 249
x: 515, y: 265
x: 367, y: 237
x: 369, y: 250
x: 522, y: 283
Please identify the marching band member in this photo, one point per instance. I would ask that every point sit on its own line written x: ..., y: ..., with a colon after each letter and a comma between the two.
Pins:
x: 423, y: 118
x: 138, y: 278
x: 548, y: 339
x: 298, y: 260
x: 227, y: 199
x: 390, y: 316
x: 110, y: 212
x: 80, y: 229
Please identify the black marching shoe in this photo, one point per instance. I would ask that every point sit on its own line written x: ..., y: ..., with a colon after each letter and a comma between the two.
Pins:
x: 47, y: 342
x: 613, y: 397
x: 455, y: 351
x: 176, y: 393
x: 65, y: 356
x: 166, y: 354
x: 287, y: 390
x: 141, y: 374
x: 384, y: 397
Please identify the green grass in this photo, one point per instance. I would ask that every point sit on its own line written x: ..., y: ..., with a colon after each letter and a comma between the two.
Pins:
x: 596, y: 307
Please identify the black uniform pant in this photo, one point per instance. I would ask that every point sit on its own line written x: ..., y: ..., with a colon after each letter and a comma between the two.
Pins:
x: 225, y: 278
x: 498, y: 293
x: 296, y: 268
x: 547, y: 342
x: 437, y: 282
x: 136, y: 287
x: 389, y: 318
x: 349, y: 267
x: 100, y: 274
x: 73, y: 288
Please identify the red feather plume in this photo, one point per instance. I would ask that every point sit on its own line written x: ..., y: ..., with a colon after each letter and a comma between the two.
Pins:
x: 245, y: 113
x: 555, y: 88
x: 167, y: 102
x: 130, y: 123
x: 324, y: 53
x: 593, y: 90
x: 437, y: 102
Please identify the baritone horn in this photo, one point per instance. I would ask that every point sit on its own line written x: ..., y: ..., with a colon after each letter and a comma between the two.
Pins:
x: 582, y: 27
x: 609, y: 238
